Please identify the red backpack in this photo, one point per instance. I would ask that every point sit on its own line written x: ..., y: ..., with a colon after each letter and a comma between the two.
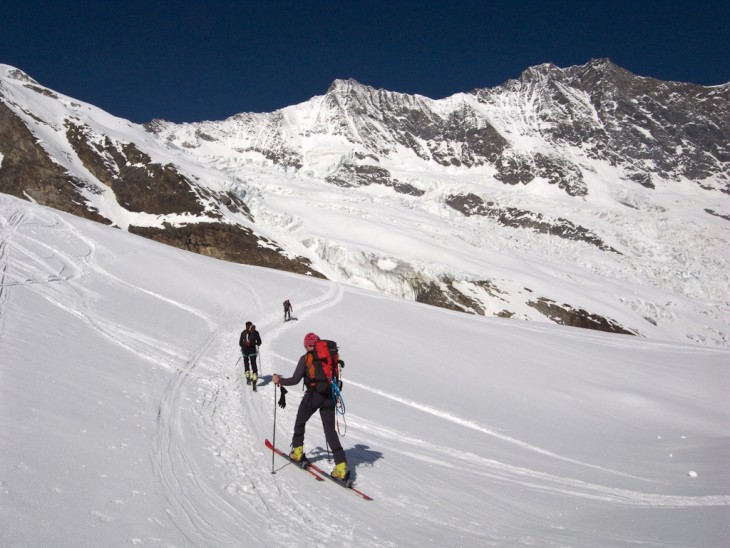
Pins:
x: 323, y: 366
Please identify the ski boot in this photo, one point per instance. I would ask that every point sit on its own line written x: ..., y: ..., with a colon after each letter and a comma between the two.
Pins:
x: 297, y: 454
x: 340, y: 472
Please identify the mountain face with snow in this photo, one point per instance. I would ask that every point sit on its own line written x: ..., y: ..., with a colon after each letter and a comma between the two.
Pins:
x: 484, y: 202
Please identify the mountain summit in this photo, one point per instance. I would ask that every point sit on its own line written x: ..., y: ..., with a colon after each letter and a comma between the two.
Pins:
x: 479, y: 202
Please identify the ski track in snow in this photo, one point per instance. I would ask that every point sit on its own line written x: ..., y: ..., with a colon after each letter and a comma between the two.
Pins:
x: 52, y: 277
x: 229, y: 420
x: 206, y: 398
x: 456, y: 459
x: 446, y: 457
x: 7, y: 230
x: 225, y: 416
x: 478, y: 427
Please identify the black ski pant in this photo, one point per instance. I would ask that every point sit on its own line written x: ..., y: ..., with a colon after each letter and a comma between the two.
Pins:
x: 250, y: 357
x: 311, y: 402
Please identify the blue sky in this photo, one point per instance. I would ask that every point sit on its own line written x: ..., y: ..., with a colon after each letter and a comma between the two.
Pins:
x: 194, y: 61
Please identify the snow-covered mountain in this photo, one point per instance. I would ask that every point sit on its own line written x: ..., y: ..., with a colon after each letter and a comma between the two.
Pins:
x: 125, y: 420
x: 485, y: 202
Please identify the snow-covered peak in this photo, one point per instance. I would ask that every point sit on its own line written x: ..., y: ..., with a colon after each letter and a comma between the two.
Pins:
x: 480, y: 202
x: 346, y: 86
x: 7, y: 71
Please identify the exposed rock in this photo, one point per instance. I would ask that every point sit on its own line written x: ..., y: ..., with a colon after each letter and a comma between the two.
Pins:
x: 445, y: 294
x: 716, y: 214
x: 471, y: 204
x: 567, y: 315
x: 139, y: 184
x: 647, y: 126
x: 229, y: 243
x: 28, y: 172
x: 362, y: 175
x: 548, y: 126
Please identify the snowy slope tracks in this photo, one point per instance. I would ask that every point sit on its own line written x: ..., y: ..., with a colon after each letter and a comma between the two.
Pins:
x: 125, y: 420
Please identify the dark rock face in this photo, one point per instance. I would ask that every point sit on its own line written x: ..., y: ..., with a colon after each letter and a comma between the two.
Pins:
x: 350, y: 175
x: 139, y: 184
x: 229, y: 243
x: 471, y: 204
x: 28, y: 172
x: 716, y: 214
x: 653, y: 132
x: 648, y: 127
x: 567, y: 315
x: 522, y: 169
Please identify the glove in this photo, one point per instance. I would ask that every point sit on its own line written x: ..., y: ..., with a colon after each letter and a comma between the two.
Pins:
x: 282, y: 399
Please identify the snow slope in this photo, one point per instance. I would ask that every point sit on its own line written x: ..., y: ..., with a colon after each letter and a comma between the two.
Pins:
x: 125, y: 421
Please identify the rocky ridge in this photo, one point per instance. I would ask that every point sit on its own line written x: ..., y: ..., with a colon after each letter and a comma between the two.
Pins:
x: 587, y: 132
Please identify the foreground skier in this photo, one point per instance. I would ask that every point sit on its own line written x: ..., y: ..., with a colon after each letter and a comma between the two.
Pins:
x: 316, y: 398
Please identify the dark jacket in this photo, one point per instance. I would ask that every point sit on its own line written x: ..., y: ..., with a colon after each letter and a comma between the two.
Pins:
x: 298, y: 375
x: 249, y: 340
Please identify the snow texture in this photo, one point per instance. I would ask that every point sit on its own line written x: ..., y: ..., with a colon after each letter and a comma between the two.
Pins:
x: 125, y: 420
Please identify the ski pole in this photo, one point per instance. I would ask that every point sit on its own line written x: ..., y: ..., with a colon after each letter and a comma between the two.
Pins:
x: 273, y: 436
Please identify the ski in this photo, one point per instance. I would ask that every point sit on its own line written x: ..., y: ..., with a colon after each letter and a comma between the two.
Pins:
x: 306, y: 466
x: 318, y: 473
x: 347, y: 484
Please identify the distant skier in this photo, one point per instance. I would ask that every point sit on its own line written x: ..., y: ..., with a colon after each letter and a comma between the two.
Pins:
x: 287, y: 310
x: 312, y: 401
x: 249, y: 342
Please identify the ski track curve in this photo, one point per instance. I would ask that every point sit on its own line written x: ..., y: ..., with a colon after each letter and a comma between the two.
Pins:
x: 54, y: 275
x: 185, y: 483
x: 206, y: 399
x: 231, y: 422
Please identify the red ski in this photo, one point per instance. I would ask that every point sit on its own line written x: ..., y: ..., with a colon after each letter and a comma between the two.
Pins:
x: 302, y: 465
x: 317, y: 472
x: 347, y: 484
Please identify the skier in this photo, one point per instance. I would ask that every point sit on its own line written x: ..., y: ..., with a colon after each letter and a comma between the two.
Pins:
x: 312, y: 401
x: 249, y: 342
x: 287, y: 310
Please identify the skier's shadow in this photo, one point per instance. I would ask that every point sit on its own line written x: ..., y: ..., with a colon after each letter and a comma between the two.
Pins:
x: 292, y: 319
x: 264, y: 380
x: 360, y: 455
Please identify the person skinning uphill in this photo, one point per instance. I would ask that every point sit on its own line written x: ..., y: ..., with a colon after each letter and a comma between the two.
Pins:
x: 317, y: 397
x: 287, y: 310
x: 249, y: 342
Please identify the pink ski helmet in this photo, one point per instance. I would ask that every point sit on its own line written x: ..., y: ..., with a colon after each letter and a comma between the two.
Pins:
x: 310, y: 339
